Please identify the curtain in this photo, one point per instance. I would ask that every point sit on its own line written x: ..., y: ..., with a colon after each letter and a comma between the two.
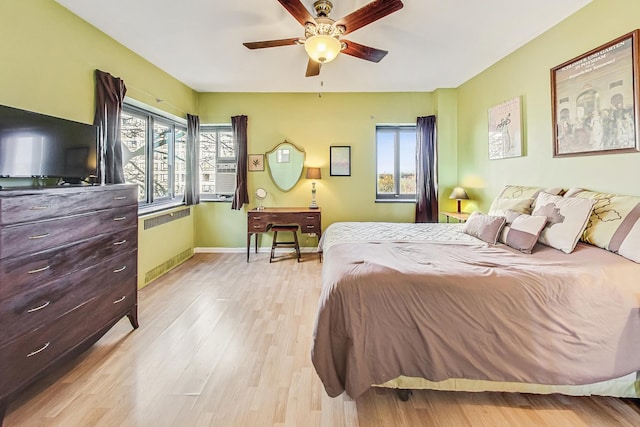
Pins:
x: 241, y: 196
x: 192, y: 187
x: 110, y: 92
x: 427, y: 177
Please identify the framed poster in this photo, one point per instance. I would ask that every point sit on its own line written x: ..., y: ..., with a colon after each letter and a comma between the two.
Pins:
x: 595, y: 100
x: 505, y: 130
x: 256, y: 162
x: 340, y: 160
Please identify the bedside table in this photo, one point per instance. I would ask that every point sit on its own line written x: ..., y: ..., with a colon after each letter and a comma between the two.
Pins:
x: 460, y: 216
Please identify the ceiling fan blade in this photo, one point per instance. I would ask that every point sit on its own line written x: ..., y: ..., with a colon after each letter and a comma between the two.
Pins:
x: 369, y: 13
x: 313, y: 68
x: 298, y: 11
x: 363, y: 52
x: 272, y: 43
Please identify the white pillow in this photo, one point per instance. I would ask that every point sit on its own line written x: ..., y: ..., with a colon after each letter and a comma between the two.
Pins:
x: 484, y: 227
x: 522, y: 231
x: 499, y: 207
x: 566, y: 220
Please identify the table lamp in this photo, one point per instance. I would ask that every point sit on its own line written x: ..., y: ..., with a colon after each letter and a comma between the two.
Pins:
x: 313, y: 173
x: 458, y: 193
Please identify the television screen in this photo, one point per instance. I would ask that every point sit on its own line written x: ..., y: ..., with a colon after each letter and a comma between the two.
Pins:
x: 37, y: 145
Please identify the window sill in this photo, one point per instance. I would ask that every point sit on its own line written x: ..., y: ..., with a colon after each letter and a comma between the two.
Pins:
x: 395, y: 200
x: 158, y: 207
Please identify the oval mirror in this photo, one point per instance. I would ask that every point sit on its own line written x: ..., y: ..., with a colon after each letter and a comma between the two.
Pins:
x: 285, y: 164
x: 261, y: 194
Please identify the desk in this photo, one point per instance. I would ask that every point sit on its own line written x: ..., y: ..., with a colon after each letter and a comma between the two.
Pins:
x: 460, y: 216
x: 261, y: 221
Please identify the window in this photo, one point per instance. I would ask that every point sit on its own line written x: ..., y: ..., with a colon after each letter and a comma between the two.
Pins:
x: 217, y: 162
x: 396, y: 163
x: 154, y: 155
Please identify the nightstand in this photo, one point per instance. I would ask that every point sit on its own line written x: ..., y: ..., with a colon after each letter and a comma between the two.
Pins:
x: 460, y: 216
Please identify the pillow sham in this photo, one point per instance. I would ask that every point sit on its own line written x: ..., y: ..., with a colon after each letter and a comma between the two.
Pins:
x: 485, y: 227
x: 614, y: 223
x: 566, y: 220
x: 521, y: 231
x: 518, y: 192
x: 499, y: 207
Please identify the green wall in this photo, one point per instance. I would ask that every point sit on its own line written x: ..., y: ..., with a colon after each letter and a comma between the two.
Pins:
x: 313, y: 123
x: 47, y: 65
x: 526, y: 73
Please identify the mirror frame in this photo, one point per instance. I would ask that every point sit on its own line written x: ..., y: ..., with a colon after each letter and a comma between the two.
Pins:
x: 269, y: 167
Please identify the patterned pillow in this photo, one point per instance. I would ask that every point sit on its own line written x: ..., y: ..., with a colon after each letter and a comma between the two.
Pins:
x: 484, y: 227
x: 514, y: 197
x: 614, y: 224
x: 521, y: 231
x: 566, y: 220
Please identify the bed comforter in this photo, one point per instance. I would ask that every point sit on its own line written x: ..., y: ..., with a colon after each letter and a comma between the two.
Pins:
x: 439, y: 310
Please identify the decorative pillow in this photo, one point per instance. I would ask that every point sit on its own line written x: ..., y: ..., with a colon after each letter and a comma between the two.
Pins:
x: 521, y: 231
x: 520, y: 193
x: 566, y: 220
x: 614, y: 224
x: 499, y: 207
x: 484, y: 227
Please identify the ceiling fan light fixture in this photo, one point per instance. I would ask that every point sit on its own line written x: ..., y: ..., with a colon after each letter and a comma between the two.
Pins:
x: 322, y: 48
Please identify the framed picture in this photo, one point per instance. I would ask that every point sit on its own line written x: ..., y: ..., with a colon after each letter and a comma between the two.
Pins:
x: 505, y: 130
x: 256, y: 162
x: 340, y: 160
x: 595, y: 100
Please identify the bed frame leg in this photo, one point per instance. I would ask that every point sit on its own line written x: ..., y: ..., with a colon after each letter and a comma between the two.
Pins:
x: 404, y: 394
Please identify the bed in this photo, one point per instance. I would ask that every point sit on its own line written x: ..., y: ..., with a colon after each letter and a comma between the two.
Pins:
x: 429, y: 306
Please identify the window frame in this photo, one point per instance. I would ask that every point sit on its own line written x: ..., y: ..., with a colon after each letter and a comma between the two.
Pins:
x: 217, y: 127
x: 152, y: 117
x: 396, y: 196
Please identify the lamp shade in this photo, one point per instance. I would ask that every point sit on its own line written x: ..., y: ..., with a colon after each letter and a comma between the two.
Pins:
x: 313, y: 173
x: 459, y: 193
x: 322, y: 48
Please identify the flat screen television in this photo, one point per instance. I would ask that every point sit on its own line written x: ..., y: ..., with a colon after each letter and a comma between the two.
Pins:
x: 34, y: 145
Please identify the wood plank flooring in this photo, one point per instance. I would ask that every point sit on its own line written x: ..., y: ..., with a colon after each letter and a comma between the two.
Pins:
x: 226, y: 343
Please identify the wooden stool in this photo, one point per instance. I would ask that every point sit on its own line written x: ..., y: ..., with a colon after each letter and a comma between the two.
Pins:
x: 292, y: 244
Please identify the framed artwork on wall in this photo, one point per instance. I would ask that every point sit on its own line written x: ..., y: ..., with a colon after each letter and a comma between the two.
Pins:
x: 595, y: 100
x: 256, y: 162
x: 505, y: 130
x: 340, y: 160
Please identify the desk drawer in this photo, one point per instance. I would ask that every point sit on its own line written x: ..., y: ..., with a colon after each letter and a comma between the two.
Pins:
x: 48, y: 234
x: 310, y: 222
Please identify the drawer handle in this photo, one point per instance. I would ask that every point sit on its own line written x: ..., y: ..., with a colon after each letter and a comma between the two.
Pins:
x: 120, y: 300
x: 118, y: 270
x: 38, y: 270
x: 120, y: 218
x: 311, y: 226
x: 119, y: 197
x: 257, y: 226
x: 311, y: 217
x: 38, y: 208
x: 256, y: 218
x: 44, y: 347
x: 121, y: 242
x: 39, y: 236
x: 31, y: 310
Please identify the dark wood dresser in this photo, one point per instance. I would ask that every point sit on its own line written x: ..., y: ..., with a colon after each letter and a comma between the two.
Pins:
x: 68, y: 273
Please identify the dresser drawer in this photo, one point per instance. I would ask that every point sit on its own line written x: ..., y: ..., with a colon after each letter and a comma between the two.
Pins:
x: 112, y: 305
x: 43, y: 204
x: 26, y: 357
x: 19, y: 274
x: 36, y: 307
x: 48, y: 234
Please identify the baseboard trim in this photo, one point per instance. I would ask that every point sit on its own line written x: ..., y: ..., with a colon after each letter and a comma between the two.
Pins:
x: 261, y: 250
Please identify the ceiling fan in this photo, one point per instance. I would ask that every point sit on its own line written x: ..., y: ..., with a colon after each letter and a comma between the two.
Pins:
x: 322, y: 35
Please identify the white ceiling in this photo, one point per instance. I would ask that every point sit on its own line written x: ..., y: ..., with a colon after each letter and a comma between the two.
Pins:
x: 432, y: 43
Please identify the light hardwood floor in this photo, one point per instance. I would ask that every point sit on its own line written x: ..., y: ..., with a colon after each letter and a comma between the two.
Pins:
x: 226, y: 343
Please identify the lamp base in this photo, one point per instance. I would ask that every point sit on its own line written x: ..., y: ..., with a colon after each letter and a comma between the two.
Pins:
x: 458, y: 205
x: 314, y: 206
